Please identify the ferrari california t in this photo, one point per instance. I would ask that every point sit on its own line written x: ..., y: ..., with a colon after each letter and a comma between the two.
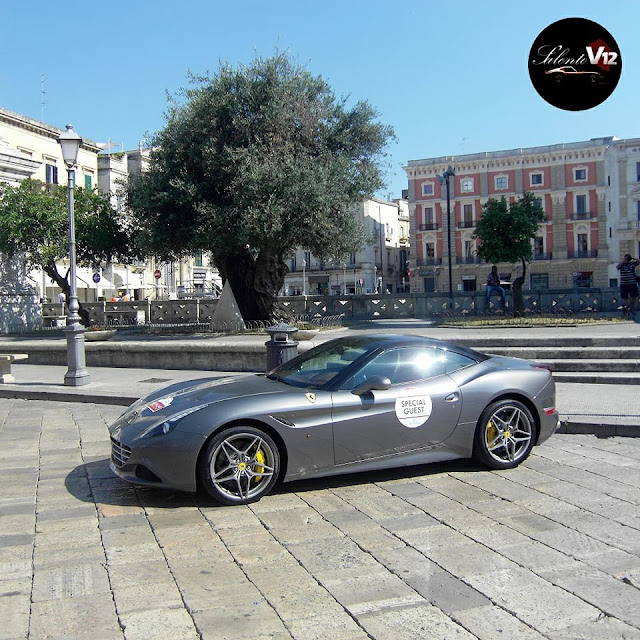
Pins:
x: 356, y: 403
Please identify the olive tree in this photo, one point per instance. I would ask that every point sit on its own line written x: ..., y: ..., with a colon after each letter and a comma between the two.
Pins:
x: 253, y: 162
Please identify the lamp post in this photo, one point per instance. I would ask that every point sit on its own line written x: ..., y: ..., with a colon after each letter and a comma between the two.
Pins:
x: 444, y: 179
x: 77, y: 373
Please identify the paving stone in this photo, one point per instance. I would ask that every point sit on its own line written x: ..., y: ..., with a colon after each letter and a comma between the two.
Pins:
x: 412, y: 623
x: 160, y: 624
x: 70, y: 581
x: 239, y: 621
x: 493, y: 623
x: 540, y: 604
x: 603, y: 629
x: 63, y: 618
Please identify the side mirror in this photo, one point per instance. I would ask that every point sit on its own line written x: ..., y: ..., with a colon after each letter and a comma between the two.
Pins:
x: 374, y: 383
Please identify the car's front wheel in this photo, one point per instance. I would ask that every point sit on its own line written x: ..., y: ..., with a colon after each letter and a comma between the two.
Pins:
x: 505, y: 434
x: 239, y: 465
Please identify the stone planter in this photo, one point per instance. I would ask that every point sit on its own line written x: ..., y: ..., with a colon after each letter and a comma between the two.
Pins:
x: 95, y: 336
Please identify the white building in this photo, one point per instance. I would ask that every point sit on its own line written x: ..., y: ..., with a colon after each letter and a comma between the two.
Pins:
x: 380, y: 266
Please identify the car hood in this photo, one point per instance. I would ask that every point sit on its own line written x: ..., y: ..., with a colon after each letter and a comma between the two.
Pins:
x: 182, y: 396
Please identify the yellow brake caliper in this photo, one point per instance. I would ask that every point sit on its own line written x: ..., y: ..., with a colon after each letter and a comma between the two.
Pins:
x: 260, y: 459
x: 492, y: 432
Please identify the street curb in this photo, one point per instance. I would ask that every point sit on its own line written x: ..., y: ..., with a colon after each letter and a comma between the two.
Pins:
x: 600, y: 429
x: 62, y: 396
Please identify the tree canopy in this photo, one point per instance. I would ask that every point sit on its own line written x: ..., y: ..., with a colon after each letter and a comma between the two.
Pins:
x: 505, y: 231
x: 34, y: 228
x: 253, y: 162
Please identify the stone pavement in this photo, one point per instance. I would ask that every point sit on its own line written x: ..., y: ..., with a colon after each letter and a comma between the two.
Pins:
x: 550, y: 550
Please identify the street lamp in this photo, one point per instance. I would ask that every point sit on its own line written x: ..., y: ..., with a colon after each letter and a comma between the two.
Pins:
x: 444, y: 179
x: 77, y: 373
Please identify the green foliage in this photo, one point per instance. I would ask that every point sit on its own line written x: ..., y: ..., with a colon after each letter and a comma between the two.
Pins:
x: 259, y: 159
x: 34, y: 225
x: 506, y: 229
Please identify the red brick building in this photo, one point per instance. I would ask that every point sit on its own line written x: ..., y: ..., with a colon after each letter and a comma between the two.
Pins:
x: 574, y: 183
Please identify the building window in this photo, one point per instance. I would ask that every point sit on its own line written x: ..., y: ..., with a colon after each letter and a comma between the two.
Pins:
x: 51, y: 174
x: 538, y: 248
x: 581, y: 205
x: 580, y: 175
x: 198, y: 258
x: 468, y: 283
x: 427, y: 188
x: 637, y: 171
x: 536, y: 179
x: 87, y: 182
x: 502, y: 182
x: 583, y: 279
x: 638, y: 210
x: 582, y: 244
x: 466, y: 185
x: 467, y: 215
x: 538, y: 204
x: 539, y: 281
x: 429, y: 250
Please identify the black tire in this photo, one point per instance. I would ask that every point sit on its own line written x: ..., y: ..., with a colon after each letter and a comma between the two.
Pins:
x: 239, y: 465
x: 505, y: 434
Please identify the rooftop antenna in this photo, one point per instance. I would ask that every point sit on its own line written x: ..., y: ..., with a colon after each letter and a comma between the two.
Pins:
x: 43, y: 77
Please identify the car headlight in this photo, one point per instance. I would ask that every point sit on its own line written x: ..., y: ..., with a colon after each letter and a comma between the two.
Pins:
x: 168, y: 425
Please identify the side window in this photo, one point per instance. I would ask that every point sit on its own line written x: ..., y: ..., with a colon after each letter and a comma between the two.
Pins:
x: 456, y: 361
x: 402, y: 365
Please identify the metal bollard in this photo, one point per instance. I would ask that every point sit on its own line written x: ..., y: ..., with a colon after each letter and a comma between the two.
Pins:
x: 280, y: 347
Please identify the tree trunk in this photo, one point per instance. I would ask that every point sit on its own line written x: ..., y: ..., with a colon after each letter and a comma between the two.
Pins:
x: 255, y: 282
x: 518, y: 298
x: 51, y: 270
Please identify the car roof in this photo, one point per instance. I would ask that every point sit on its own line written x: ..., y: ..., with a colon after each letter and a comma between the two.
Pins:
x: 387, y: 340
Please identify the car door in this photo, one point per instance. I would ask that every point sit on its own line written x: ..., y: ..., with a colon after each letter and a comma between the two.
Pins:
x: 419, y: 410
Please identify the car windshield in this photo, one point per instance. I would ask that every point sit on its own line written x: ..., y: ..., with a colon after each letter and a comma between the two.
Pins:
x: 319, y: 366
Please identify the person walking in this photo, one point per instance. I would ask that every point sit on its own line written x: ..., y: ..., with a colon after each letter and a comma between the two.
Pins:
x: 628, y: 284
x: 493, y: 284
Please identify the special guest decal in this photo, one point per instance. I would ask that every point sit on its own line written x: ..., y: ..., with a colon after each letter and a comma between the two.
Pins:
x: 413, y: 410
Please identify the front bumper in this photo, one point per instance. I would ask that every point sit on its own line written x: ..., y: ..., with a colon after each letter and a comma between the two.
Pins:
x: 168, y: 462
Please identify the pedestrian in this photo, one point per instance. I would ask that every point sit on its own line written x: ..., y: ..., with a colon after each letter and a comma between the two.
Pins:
x: 628, y: 284
x: 62, y: 298
x: 493, y: 284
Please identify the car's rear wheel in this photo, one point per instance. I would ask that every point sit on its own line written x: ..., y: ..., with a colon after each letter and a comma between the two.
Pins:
x: 239, y: 465
x: 505, y: 434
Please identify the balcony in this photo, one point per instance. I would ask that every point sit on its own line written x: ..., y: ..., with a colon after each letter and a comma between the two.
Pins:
x: 466, y: 224
x: 542, y: 256
x: 573, y: 255
x: 582, y: 215
x: 468, y: 260
x: 629, y: 225
x: 428, y: 226
x: 428, y: 262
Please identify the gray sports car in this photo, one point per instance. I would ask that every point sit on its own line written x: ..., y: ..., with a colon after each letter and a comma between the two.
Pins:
x: 351, y: 404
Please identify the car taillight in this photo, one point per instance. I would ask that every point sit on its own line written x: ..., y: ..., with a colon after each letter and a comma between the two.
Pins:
x: 549, y: 411
x: 542, y: 366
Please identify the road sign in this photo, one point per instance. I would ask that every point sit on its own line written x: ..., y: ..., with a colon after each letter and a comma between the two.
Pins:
x: 96, y: 277
x: 157, y: 274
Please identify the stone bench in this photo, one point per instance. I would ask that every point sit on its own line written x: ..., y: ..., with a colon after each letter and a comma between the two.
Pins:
x: 6, y: 360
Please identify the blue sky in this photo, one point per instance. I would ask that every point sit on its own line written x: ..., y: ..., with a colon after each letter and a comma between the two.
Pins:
x: 451, y: 78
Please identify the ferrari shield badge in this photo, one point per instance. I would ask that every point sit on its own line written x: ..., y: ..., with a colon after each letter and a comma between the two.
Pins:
x: 311, y: 397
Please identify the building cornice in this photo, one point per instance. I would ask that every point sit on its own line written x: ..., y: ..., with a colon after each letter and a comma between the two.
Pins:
x: 42, y: 129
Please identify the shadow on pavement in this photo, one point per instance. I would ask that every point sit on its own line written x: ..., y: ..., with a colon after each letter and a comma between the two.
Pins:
x: 105, y: 488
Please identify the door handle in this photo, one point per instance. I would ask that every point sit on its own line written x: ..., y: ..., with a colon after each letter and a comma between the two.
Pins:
x: 453, y: 397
